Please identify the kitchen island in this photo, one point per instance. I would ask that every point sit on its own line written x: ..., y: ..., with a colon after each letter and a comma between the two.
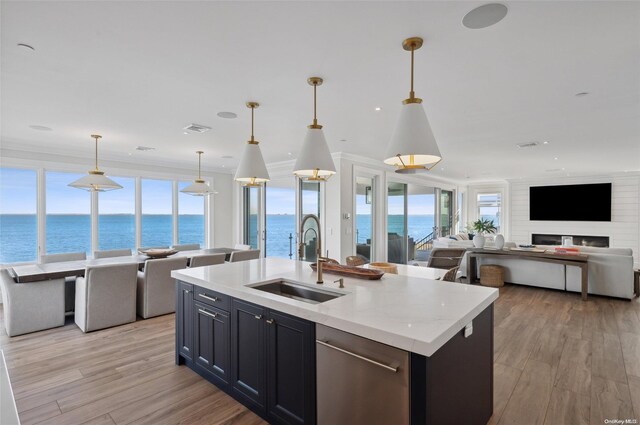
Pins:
x: 264, y: 332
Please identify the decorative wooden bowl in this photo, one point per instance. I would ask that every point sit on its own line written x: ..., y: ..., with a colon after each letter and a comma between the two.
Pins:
x: 158, y: 253
x: 349, y: 271
x: 384, y: 267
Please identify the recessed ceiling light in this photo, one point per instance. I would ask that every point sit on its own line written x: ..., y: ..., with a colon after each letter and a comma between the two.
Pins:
x: 26, y: 47
x: 545, y: 143
x: 289, y: 153
x: 378, y: 108
x: 555, y: 158
x: 484, y: 16
x: 227, y: 115
x: 185, y: 132
x: 227, y: 157
x: 582, y: 93
x: 130, y: 154
x: 40, y: 128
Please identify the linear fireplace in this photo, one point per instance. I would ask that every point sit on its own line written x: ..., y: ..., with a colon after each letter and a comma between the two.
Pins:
x: 597, y: 241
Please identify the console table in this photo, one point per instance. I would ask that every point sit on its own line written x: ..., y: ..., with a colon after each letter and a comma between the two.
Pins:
x: 576, y: 260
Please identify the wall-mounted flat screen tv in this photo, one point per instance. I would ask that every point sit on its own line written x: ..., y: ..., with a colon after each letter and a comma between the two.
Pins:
x: 576, y: 202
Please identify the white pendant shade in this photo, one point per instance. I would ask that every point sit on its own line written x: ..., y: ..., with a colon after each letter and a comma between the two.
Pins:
x: 252, y: 168
x: 95, y: 182
x: 412, y: 139
x: 315, y: 161
x: 198, y: 188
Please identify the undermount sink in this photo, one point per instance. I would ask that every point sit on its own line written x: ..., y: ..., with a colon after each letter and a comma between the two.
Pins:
x: 296, y: 291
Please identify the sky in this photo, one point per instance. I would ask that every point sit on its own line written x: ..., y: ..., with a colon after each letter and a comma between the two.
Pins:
x: 18, y: 195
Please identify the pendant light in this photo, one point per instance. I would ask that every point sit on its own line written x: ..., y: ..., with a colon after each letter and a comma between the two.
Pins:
x: 95, y: 181
x: 252, y: 171
x: 199, y: 187
x: 314, y: 162
x: 413, y: 148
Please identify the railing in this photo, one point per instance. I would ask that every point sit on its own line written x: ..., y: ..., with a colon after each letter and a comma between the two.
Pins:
x: 425, y: 243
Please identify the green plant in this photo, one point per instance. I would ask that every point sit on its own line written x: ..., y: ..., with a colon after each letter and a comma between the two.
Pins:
x: 482, y: 226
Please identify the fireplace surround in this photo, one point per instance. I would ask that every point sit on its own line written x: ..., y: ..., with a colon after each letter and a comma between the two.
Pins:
x: 578, y: 240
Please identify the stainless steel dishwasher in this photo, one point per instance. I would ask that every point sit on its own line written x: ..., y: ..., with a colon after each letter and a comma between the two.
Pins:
x: 360, y: 381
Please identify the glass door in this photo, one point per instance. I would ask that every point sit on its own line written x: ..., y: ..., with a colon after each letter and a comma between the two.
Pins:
x: 396, y: 223
x: 309, y: 204
x: 280, y: 208
x: 446, y: 213
x: 252, y: 226
x: 421, y: 221
x: 364, y: 228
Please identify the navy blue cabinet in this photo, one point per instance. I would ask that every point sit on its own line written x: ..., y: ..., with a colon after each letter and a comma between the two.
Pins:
x: 211, y: 347
x: 248, y: 353
x: 263, y: 358
x: 291, y: 368
x: 184, y: 321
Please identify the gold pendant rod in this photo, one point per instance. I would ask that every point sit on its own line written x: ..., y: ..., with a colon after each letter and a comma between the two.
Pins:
x: 315, y: 119
x: 412, y: 94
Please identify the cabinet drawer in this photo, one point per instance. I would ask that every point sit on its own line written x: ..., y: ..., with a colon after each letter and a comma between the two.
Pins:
x: 213, y: 298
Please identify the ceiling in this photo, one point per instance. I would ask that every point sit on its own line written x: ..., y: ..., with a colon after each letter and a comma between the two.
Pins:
x: 138, y: 72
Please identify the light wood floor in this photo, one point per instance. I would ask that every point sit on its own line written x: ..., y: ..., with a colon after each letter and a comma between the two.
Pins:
x: 558, y: 360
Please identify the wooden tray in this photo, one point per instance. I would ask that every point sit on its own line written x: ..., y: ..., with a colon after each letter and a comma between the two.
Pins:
x: 349, y: 271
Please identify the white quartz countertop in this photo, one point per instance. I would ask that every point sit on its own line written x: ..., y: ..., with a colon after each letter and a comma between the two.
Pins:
x: 412, y: 313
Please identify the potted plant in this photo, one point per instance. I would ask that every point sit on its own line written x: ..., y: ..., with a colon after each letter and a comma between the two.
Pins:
x: 482, y: 226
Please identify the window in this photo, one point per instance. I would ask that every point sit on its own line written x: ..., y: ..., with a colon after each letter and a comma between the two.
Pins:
x: 281, y: 218
x: 117, y: 217
x: 489, y: 208
x: 190, y: 217
x: 68, y: 215
x: 396, y: 223
x: 18, y: 224
x: 157, y: 213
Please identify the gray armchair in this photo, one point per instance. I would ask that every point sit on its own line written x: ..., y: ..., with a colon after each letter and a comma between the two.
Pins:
x: 251, y: 254
x: 70, y: 282
x: 105, y: 296
x: 112, y: 253
x: 156, y: 294
x: 207, y: 260
x: 30, y: 307
x: 186, y: 247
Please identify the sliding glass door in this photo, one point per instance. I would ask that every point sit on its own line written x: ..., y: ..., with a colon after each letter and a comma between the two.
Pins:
x: 446, y: 213
x: 411, y: 222
x: 280, y: 208
x: 310, y: 204
x: 252, y: 226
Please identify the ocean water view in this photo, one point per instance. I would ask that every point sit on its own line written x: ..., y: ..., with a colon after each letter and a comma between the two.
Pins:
x: 72, y: 233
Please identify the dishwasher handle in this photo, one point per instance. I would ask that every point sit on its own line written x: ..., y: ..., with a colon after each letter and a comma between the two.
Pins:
x: 358, y: 356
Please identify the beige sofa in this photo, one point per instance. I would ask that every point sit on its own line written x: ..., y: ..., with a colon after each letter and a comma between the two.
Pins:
x: 610, y: 272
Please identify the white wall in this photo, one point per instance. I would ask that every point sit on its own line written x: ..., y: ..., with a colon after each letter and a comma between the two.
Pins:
x: 623, y: 230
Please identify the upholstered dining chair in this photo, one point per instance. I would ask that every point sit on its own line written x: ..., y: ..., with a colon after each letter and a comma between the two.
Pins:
x: 156, y: 293
x: 446, y: 258
x: 106, y: 296
x: 110, y: 253
x: 242, y: 247
x: 207, y: 260
x: 186, y: 247
x: 30, y: 307
x: 251, y: 254
x: 70, y: 282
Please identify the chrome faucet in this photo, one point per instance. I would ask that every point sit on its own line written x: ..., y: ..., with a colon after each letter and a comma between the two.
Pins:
x: 320, y: 258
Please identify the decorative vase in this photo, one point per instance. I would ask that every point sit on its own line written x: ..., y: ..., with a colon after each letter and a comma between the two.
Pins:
x: 478, y: 241
x: 499, y: 241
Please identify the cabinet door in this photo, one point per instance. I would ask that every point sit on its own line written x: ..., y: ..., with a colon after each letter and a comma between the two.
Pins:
x: 291, y: 369
x: 248, y: 353
x: 184, y: 321
x: 211, y: 348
